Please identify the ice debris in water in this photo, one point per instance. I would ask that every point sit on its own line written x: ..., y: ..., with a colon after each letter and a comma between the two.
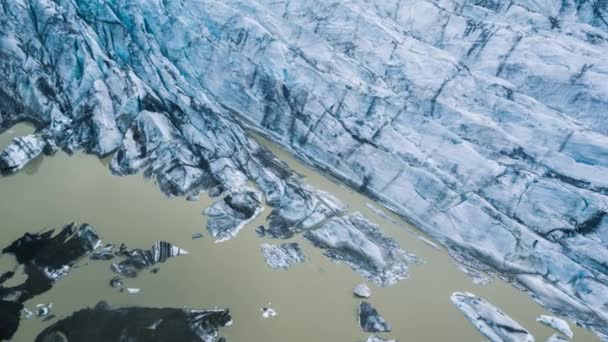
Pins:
x: 116, y: 282
x: 283, y: 256
x: 136, y: 260
x: 43, y: 309
x: 375, y: 338
x: 268, y: 312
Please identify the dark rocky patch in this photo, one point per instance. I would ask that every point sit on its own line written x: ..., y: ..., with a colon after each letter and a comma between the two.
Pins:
x: 370, y: 320
x: 9, y: 318
x: 46, y: 258
x: 103, y: 324
x: 6, y: 276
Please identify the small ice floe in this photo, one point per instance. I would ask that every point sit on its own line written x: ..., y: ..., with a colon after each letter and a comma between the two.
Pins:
x: 116, y: 282
x: 27, y: 313
x: 428, y: 242
x: 374, y: 338
x: 556, y: 323
x: 43, y: 309
x: 58, y: 273
x: 362, y: 290
x: 133, y: 290
x: 268, y: 312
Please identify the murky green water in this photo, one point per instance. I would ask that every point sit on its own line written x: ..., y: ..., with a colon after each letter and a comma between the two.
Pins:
x: 314, y: 300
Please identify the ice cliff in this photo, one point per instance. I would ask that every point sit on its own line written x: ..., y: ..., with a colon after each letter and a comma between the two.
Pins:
x: 482, y: 122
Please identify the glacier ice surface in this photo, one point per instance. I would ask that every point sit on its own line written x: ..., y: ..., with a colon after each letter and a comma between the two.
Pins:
x: 481, y: 122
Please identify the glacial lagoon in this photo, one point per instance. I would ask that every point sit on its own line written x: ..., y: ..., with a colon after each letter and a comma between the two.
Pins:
x: 314, y: 300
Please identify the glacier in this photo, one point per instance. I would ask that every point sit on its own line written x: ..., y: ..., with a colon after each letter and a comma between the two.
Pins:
x: 482, y: 122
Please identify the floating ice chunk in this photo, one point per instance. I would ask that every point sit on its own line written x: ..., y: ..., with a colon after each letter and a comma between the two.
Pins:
x: 43, y: 309
x: 489, y: 320
x: 556, y: 323
x: 138, y: 259
x: 20, y: 152
x: 374, y: 338
x: 268, y: 312
x: 362, y: 290
x: 27, y: 313
x: 58, y: 273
